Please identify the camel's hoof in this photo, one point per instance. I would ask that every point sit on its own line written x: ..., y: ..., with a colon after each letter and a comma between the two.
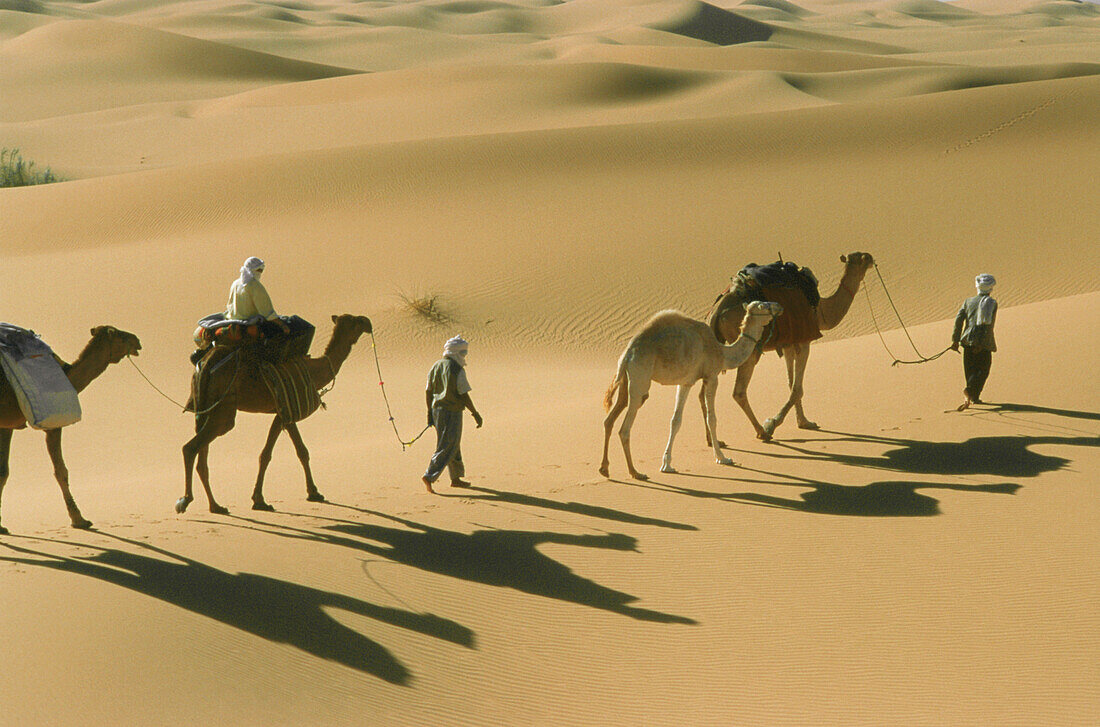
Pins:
x: 4, y: 531
x: 82, y: 524
x: 668, y: 469
x: 809, y: 425
x: 315, y: 497
x: 724, y: 460
x: 640, y: 476
x: 261, y: 506
x: 219, y: 510
x: 769, y: 426
x: 181, y: 505
x: 604, y: 471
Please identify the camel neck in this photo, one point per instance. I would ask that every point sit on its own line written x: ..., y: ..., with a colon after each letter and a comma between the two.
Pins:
x: 338, y: 349
x: 91, y: 362
x: 831, y: 310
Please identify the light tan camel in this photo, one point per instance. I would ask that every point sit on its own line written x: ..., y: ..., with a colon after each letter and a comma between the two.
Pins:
x: 238, y: 386
x: 108, y: 346
x: 673, y: 349
x: 802, y: 325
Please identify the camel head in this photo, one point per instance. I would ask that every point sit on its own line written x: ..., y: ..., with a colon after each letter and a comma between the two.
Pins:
x: 764, y: 308
x: 860, y: 262
x: 117, y: 343
x: 352, y: 326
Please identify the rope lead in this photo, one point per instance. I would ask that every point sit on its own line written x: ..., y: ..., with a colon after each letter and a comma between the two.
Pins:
x: 404, y: 445
x: 922, y: 358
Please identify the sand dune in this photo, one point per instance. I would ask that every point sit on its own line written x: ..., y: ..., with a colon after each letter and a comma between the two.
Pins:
x: 551, y: 174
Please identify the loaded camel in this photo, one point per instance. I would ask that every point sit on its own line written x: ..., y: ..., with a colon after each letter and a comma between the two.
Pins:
x: 794, y: 330
x: 673, y: 349
x: 108, y: 346
x: 239, y: 386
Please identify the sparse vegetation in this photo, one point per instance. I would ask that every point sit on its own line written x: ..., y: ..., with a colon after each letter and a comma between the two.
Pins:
x: 15, y: 171
x: 424, y: 306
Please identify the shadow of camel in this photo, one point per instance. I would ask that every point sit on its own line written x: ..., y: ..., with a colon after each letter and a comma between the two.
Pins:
x: 275, y: 610
x: 577, y: 508
x: 878, y: 499
x: 1002, y: 456
x: 503, y: 558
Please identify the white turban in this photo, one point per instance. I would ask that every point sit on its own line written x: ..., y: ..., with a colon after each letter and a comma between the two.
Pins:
x: 985, y: 282
x: 248, y: 270
x: 455, y: 349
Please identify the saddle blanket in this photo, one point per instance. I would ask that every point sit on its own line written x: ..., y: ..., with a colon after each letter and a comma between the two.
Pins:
x: 292, y: 388
x: 45, y: 395
x: 783, y: 275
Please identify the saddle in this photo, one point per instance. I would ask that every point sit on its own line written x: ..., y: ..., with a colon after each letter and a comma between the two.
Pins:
x: 756, y: 278
x: 268, y: 340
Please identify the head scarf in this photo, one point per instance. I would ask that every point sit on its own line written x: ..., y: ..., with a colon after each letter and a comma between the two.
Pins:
x: 455, y: 349
x: 252, y: 268
x: 985, y: 282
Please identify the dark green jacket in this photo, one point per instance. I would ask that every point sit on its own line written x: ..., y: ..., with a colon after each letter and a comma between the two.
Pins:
x: 968, y: 331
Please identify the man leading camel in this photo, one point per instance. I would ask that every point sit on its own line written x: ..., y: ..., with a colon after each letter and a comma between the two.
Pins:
x: 447, y: 396
x: 974, y: 330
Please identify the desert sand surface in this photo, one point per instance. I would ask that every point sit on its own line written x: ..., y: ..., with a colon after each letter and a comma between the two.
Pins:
x: 551, y: 174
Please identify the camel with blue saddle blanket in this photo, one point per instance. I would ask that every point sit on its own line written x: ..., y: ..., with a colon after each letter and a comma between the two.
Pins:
x: 805, y: 316
x: 232, y: 378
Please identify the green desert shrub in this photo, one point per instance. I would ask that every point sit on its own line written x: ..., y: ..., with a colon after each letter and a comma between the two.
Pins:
x: 15, y: 171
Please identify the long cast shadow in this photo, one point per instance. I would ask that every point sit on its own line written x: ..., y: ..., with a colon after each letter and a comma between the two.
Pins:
x: 577, y: 508
x: 273, y: 609
x: 1000, y: 456
x: 503, y: 558
x: 878, y: 499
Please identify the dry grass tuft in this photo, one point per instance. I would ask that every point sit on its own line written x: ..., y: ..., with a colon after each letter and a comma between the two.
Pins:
x: 426, y: 307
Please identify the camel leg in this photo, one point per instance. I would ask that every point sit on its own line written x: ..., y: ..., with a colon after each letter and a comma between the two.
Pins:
x: 609, y: 423
x: 797, y: 356
x: 198, y: 447
x: 61, y: 473
x: 741, y: 394
x: 5, y: 450
x: 710, y: 389
x: 703, y: 408
x: 637, y: 392
x: 799, y: 379
x: 258, y: 502
x: 312, y: 494
x: 674, y: 426
x: 203, y: 468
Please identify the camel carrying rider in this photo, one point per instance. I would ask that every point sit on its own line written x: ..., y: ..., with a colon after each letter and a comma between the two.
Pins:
x: 447, y: 396
x: 974, y: 331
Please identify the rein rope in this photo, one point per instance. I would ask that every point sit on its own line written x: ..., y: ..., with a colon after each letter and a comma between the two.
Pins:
x: 921, y: 357
x: 382, y: 385
x: 183, y: 407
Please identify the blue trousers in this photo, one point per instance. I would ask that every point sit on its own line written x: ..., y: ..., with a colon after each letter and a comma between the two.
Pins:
x: 448, y: 434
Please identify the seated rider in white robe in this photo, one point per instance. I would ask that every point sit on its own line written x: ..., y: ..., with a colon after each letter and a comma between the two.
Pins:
x: 248, y: 299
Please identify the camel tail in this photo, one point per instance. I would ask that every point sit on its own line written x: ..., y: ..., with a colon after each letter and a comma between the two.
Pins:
x: 618, y: 383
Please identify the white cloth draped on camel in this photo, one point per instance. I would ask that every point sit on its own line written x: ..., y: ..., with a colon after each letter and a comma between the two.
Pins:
x: 45, y: 395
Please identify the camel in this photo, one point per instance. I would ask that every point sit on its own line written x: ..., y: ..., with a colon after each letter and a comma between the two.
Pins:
x: 108, y: 346
x: 238, y: 386
x: 803, y: 326
x: 673, y: 349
